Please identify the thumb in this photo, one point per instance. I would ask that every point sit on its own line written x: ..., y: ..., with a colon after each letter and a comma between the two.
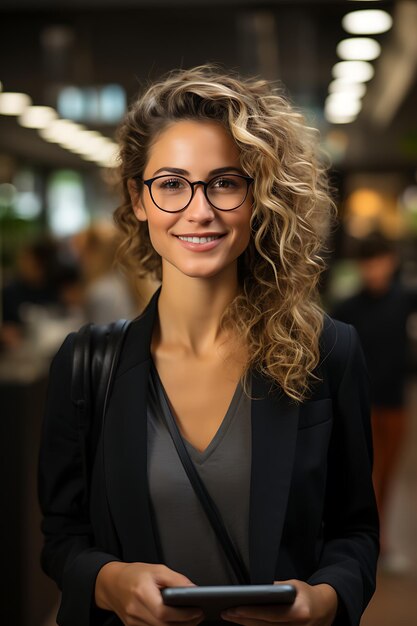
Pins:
x: 291, y: 581
x: 169, y: 578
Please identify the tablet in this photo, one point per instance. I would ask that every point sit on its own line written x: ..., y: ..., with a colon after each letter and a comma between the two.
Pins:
x: 213, y: 600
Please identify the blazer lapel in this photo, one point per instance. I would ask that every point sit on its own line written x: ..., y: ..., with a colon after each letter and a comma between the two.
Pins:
x: 274, y: 434
x: 125, y: 444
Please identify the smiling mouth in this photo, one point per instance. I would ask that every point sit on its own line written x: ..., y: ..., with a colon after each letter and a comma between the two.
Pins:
x: 194, y: 239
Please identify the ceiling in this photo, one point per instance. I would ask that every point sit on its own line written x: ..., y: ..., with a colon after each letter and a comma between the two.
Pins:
x: 132, y: 41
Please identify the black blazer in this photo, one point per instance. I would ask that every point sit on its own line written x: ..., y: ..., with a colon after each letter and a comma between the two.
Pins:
x: 312, y: 509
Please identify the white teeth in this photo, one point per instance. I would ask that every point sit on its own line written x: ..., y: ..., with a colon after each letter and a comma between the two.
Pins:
x: 199, y: 239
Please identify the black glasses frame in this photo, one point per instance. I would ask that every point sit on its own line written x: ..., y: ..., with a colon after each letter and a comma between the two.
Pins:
x: 205, y: 185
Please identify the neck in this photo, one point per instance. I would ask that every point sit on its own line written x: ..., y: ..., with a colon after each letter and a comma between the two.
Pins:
x: 190, y: 309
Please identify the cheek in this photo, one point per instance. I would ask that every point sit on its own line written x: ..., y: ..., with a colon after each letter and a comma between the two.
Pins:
x: 158, y: 226
x: 154, y: 234
x: 244, y: 238
x: 243, y: 231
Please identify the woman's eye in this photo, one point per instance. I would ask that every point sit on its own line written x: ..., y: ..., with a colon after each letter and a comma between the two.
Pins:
x: 224, y: 183
x: 172, y: 183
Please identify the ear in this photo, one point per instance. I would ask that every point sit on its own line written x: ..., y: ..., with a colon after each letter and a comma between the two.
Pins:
x: 136, y: 200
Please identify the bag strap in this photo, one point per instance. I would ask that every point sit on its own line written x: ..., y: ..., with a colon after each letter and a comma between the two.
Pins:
x: 113, y: 346
x: 96, y: 353
x: 201, y: 492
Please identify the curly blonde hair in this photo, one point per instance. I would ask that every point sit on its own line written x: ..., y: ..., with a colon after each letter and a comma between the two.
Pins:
x: 277, y: 311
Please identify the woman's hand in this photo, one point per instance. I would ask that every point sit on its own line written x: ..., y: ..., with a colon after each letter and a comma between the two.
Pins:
x: 133, y: 592
x: 314, y: 605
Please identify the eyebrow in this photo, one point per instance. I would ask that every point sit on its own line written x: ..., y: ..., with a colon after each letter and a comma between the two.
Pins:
x: 219, y: 170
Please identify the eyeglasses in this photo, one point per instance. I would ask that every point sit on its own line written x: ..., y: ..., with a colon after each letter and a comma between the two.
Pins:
x: 172, y: 193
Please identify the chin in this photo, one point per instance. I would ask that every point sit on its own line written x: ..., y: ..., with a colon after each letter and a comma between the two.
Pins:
x: 200, y: 270
x: 200, y: 273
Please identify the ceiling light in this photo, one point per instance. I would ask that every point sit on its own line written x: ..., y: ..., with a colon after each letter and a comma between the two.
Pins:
x: 334, y: 118
x: 12, y: 103
x: 347, y: 87
x: 368, y: 22
x: 75, y: 142
x: 37, y: 117
x: 60, y: 130
x: 342, y: 105
x: 89, y: 157
x: 110, y: 157
x: 359, y: 71
x: 108, y: 163
x: 358, y: 49
x: 92, y: 146
x: 88, y: 143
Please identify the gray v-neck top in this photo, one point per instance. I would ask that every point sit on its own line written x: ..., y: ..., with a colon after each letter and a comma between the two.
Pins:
x: 186, y: 539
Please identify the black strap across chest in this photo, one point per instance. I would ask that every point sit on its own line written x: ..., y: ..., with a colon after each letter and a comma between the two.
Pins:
x: 202, y: 494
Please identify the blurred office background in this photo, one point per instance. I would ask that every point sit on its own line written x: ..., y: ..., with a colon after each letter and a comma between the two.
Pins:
x: 68, y: 70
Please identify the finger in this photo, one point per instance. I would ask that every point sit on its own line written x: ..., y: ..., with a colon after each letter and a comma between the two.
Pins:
x: 248, y: 621
x: 147, y: 618
x: 177, y: 614
x: 254, y: 622
x: 151, y: 621
x: 194, y: 622
x: 166, y: 577
x: 150, y: 607
x: 187, y: 616
x: 263, y: 613
x: 163, y: 613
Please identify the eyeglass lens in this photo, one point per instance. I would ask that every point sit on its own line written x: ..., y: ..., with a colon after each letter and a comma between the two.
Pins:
x: 173, y: 193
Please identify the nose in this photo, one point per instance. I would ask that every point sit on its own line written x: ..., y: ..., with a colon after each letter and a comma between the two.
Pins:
x: 199, y: 208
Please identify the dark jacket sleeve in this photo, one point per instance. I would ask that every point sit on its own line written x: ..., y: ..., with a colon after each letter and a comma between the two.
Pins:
x: 69, y: 555
x: 349, y: 557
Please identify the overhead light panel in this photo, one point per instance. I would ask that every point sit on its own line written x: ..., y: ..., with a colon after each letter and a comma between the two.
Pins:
x: 341, y: 109
x: 37, y: 117
x: 12, y: 103
x: 367, y: 22
x: 90, y: 145
x: 109, y: 157
x: 110, y: 162
x: 358, y: 49
x: 335, y: 118
x: 60, y: 130
x: 339, y: 85
x: 87, y: 142
x: 359, y: 71
x: 340, y: 104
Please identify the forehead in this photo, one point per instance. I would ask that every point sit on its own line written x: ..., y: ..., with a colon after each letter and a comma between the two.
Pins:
x: 191, y: 143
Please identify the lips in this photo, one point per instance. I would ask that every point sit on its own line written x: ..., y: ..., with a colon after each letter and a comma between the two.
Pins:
x: 199, y: 238
x: 200, y: 243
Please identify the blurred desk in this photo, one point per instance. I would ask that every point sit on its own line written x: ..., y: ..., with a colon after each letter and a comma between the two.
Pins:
x: 27, y: 594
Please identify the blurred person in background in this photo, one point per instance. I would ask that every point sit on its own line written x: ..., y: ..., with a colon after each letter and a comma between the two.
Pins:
x: 108, y: 294
x: 225, y: 200
x: 70, y: 282
x: 379, y: 312
x: 34, y: 283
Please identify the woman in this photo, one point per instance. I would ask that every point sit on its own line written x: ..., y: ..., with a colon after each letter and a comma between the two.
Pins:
x: 224, y: 201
